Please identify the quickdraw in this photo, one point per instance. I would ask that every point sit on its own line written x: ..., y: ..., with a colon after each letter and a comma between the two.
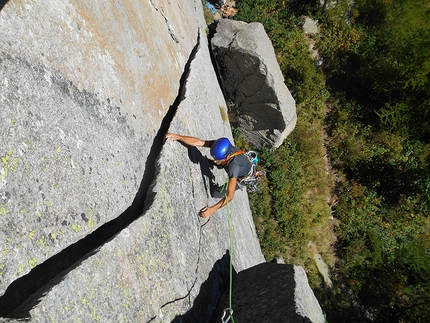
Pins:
x: 225, y: 319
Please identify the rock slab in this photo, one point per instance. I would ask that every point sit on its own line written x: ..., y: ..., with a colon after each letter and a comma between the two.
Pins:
x: 88, y: 90
x: 84, y: 87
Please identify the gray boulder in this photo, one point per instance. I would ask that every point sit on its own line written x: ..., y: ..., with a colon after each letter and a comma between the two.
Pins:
x: 253, y: 82
x: 271, y: 293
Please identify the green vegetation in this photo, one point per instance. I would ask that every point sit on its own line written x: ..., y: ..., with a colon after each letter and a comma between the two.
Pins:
x: 209, y: 18
x: 377, y: 71
x: 377, y: 67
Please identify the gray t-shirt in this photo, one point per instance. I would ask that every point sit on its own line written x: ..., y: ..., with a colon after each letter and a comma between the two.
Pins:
x: 239, y: 166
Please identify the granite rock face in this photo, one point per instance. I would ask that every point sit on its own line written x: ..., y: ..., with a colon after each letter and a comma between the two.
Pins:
x: 169, y: 265
x: 98, y: 212
x: 253, y: 82
x: 83, y: 95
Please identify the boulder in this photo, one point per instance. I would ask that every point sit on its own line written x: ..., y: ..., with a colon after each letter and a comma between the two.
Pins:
x: 265, y: 111
x: 310, y: 26
x: 272, y: 293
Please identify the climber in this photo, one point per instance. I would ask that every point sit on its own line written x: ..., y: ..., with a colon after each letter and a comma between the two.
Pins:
x: 226, y: 156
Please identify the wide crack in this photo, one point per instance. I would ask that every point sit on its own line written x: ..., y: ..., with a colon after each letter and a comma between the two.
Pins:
x: 3, y: 3
x: 25, y: 292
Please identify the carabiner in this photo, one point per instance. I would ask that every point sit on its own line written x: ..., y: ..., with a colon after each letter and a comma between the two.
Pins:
x: 229, y: 315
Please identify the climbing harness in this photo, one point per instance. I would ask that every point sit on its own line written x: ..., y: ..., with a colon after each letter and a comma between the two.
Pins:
x: 230, y: 234
x: 251, y: 182
x: 252, y: 179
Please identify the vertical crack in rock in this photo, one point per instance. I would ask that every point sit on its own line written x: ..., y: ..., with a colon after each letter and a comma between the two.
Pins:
x: 176, y: 300
x: 170, y: 29
x: 193, y: 284
x: 25, y: 292
x: 190, y: 289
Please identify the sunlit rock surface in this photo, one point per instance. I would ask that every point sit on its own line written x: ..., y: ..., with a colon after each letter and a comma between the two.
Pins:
x: 99, y: 216
x: 98, y: 213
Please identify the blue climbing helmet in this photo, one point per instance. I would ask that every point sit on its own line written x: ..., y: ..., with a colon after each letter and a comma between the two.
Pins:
x: 220, y: 148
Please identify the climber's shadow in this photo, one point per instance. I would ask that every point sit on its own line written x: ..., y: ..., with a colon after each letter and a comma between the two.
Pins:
x: 206, y: 167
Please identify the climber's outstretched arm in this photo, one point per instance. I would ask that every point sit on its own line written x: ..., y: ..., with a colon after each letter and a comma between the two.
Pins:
x: 190, y: 141
x: 209, y: 210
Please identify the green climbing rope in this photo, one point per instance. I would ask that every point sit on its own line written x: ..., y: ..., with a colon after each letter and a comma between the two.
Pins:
x: 231, y: 261
x: 230, y: 233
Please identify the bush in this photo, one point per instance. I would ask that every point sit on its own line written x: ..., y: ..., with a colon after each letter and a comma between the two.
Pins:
x: 379, y: 134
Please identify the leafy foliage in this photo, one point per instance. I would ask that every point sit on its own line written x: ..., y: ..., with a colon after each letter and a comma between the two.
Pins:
x: 379, y: 142
x: 377, y: 66
x: 377, y: 53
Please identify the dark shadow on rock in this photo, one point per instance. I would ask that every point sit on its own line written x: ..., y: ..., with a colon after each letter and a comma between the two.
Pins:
x: 263, y: 293
x: 3, y: 3
x: 210, y: 293
x: 206, y: 166
x: 212, y: 31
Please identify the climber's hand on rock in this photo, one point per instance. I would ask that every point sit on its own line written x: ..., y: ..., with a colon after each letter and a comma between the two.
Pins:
x: 172, y: 136
x: 206, y: 212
